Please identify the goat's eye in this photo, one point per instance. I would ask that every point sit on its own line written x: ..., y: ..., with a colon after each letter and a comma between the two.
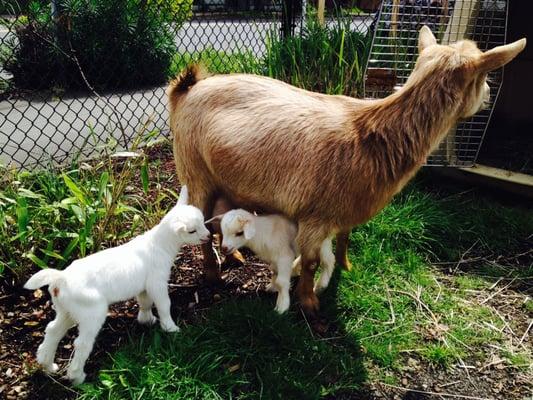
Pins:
x: 191, y: 232
x: 239, y: 233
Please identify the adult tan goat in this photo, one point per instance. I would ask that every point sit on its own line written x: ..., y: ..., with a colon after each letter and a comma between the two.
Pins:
x: 327, y: 162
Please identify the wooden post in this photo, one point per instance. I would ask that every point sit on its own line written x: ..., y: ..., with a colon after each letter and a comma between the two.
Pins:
x: 460, y: 26
x: 320, y: 11
x: 462, y: 20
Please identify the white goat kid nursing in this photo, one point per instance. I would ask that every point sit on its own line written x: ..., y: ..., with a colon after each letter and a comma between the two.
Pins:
x: 83, y: 292
x: 273, y: 239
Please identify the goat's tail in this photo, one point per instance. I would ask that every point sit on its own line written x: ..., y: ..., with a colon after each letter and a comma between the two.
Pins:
x: 49, y: 276
x: 186, y: 79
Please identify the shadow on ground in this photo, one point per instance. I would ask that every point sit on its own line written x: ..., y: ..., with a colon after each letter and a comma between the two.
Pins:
x: 241, y: 348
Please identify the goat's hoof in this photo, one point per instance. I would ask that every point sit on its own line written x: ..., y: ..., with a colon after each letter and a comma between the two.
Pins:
x: 212, y: 277
x: 146, y: 318
x: 77, y: 378
x: 170, y: 328
x: 51, y: 369
x: 345, y: 264
x: 318, y: 289
x: 281, y: 309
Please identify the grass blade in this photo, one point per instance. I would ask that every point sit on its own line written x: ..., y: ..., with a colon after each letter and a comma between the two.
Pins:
x: 144, y: 176
x: 74, y: 189
x: 22, y: 216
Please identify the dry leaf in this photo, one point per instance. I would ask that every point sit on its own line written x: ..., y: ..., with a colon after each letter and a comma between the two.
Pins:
x: 234, y: 368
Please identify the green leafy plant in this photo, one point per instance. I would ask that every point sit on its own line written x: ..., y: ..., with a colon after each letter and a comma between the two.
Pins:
x: 50, y: 217
x: 106, y: 44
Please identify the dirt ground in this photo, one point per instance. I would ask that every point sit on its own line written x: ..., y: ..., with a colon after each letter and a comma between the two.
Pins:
x: 24, y: 315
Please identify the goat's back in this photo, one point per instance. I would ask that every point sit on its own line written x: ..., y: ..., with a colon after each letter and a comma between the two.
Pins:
x: 267, y: 144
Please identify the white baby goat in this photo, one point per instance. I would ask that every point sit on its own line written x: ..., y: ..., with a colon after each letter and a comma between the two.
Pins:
x: 273, y: 239
x: 83, y: 292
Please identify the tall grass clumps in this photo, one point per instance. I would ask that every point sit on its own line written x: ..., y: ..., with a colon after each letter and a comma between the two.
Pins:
x: 218, y: 62
x: 329, y: 59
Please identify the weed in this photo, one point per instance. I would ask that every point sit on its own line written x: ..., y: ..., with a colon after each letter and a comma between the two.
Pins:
x: 438, y: 354
x: 521, y: 360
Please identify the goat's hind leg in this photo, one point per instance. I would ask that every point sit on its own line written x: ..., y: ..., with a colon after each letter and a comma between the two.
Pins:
x: 90, y: 323
x: 54, y: 332
x: 341, y: 250
x: 309, y: 239
x: 145, y: 315
x: 327, y: 261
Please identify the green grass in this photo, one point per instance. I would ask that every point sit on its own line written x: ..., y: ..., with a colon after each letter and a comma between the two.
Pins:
x: 392, y: 304
x: 243, y: 350
x: 218, y: 62
x: 391, y: 280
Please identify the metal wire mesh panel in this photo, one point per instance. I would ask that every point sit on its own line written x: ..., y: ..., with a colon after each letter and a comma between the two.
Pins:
x: 394, y: 54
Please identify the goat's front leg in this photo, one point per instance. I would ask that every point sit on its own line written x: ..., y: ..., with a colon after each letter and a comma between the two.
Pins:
x: 309, y: 239
x: 341, y: 250
x: 158, y: 292
x: 205, y: 201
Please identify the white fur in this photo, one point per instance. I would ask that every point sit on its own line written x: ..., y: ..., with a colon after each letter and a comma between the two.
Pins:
x: 83, y: 292
x: 273, y: 239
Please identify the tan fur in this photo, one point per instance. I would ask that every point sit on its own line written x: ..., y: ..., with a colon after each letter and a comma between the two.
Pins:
x: 327, y: 162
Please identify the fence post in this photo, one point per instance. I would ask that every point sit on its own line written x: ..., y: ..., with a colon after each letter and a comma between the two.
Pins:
x: 288, y: 17
x: 320, y: 11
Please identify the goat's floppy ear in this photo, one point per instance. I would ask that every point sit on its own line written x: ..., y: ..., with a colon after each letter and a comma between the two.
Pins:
x: 499, y: 56
x: 249, y: 229
x: 179, y: 226
x: 425, y: 38
x: 214, y: 219
x: 183, y: 198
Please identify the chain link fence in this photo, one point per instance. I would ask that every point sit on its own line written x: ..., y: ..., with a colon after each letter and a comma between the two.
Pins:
x: 77, y: 75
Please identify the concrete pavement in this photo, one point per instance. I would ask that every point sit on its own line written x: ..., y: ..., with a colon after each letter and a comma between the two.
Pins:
x: 39, y: 132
